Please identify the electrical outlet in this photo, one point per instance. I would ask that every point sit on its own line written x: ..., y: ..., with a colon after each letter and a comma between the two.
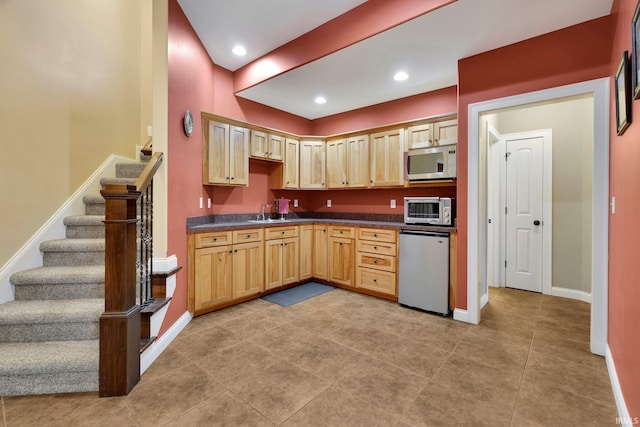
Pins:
x: 328, y: 203
x: 209, y: 203
x: 200, y: 202
x: 613, y: 205
x: 149, y: 131
x: 393, y: 204
x: 295, y: 203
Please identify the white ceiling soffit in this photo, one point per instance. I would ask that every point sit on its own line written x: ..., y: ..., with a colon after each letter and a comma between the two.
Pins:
x: 427, y: 48
x: 259, y: 25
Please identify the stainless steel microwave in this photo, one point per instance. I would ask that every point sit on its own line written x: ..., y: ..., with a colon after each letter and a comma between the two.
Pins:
x: 429, y: 210
x: 431, y: 163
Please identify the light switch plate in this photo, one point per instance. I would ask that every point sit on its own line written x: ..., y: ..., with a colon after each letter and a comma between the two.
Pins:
x: 200, y: 202
x: 295, y: 203
x: 393, y: 204
x: 329, y: 203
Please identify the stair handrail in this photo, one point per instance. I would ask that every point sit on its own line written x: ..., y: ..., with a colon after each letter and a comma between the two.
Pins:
x: 148, y: 172
x: 120, y: 324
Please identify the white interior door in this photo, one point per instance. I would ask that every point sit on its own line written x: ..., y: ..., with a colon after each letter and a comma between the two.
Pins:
x: 524, y: 210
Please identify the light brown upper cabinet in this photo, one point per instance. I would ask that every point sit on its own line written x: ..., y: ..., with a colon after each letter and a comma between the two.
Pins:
x: 266, y: 146
x: 348, y: 162
x: 225, y: 154
x: 312, y: 164
x: 286, y: 175
x: 387, y: 158
x: 444, y: 132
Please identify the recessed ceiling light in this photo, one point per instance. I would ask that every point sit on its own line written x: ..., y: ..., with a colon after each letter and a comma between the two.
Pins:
x: 321, y: 100
x: 239, y: 51
x: 400, y: 76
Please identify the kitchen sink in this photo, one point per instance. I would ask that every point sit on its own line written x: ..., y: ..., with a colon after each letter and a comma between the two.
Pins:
x: 266, y: 221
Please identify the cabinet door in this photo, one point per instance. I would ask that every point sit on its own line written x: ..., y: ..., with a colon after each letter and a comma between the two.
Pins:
x: 341, y: 262
x: 215, y: 153
x: 419, y: 136
x: 290, y: 260
x: 276, y: 147
x: 248, y: 269
x: 259, y: 144
x: 272, y: 263
x: 291, y: 158
x: 312, y: 164
x: 387, y: 155
x: 320, y: 251
x: 306, y: 251
x: 337, y: 163
x: 446, y: 132
x: 358, y: 161
x: 212, y: 277
x: 238, y: 156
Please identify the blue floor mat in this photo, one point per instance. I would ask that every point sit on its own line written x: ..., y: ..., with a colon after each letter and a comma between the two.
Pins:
x: 297, y: 294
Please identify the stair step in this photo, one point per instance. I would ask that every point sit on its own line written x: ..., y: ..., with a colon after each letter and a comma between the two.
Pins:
x: 129, y: 170
x: 119, y: 181
x: 68, y: 252
x: 93, y: 205
x: 84, y: 226
x: 49, y: 367
x: 74, y: 282
x: 50, y: 320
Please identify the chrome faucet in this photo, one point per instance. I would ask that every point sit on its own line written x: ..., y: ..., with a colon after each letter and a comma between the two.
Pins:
x: 266, y: 205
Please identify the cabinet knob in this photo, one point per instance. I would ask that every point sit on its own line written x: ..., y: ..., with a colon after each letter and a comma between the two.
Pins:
x: 235, y: 250
x: 283, y: 232
x: 375, y: 280
x: 215, y: 239
x: 248, y: 236
x: 375, y: 261
x: 287, y: 182
x: 371, y: 181
x: 230, y: 252
x: 232, y: 177
x: 227, y: 178
x: 375, y: 235
x: 375, y: 248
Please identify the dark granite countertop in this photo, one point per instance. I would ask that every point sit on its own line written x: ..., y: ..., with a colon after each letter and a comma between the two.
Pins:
x: 241, y: 221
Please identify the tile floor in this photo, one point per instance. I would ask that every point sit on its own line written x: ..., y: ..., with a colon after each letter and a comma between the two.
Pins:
x: 345, y: 359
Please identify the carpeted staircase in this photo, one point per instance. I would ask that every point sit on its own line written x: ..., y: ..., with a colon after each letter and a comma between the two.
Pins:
x: 49, y: 334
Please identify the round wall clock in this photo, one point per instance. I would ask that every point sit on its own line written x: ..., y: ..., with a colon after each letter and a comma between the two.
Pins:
x: 187, y: 123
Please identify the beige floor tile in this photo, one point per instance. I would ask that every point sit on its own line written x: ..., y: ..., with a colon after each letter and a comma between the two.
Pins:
x: 491, y: 352
x: 169, y: 360
x: 337, y: 408
x: 66, y: 410
x: 237, y: 363
x: 417, y: 357
x: 484, y: 332
x: 565, y: 349
x: 215, y: 318
x: 253, y: 323
x: 280, y: 340
x: 279, y: 390
x: 551, y: 406
x: 382, y: 385
x: 223, y: 409
x: 205, y: 342
x: 165, y: 398
x: 324, y: 358
x: 439, y: 405
x: 569, y: 376
x: 481, y: 381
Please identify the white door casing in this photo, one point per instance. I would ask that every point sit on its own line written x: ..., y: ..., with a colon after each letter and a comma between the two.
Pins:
x: 600, y: 89
x: 524, y: 211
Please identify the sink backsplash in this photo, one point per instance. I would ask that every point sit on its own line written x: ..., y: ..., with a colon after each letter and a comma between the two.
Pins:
x: 243, y: 217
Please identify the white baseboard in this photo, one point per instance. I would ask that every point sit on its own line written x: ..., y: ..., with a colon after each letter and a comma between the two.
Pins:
x: 571, y: 293
x: 624, y: 418
x: 461, y: 315
x: 484, y: 299
x: 159, y: 345
x: 29, y: 256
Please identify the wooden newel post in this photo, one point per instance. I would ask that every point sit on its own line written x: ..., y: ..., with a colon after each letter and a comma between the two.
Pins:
x: 120, y: 323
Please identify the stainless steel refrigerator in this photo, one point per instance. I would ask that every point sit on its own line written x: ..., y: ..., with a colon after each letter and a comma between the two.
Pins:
x: 423, y: 279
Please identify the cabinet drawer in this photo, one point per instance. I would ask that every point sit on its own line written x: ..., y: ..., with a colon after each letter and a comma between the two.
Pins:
x: 246, y: 236
x: 215, y: 238
x: 379, y: 262
x: 280, y: 232
x: 377, y: 234
x: 339, y: 231
x: 380, y: 281
x: 377, y: 247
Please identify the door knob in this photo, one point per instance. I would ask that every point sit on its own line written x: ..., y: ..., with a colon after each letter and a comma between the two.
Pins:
x: 536, y: 222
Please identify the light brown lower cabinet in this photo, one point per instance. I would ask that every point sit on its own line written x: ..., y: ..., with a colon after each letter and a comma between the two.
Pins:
x: 306, y: 251
x: 377, y: 261
x: 282, y: 256
x: 321, y: 251
x: 341, y: 255
x: 224, y: 266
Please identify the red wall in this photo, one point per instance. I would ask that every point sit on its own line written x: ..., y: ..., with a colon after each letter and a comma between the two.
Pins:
x: 570, y: 55
x: 624, y: 231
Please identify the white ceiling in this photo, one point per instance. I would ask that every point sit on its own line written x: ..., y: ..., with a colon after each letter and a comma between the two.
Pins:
x: 427, y: 48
